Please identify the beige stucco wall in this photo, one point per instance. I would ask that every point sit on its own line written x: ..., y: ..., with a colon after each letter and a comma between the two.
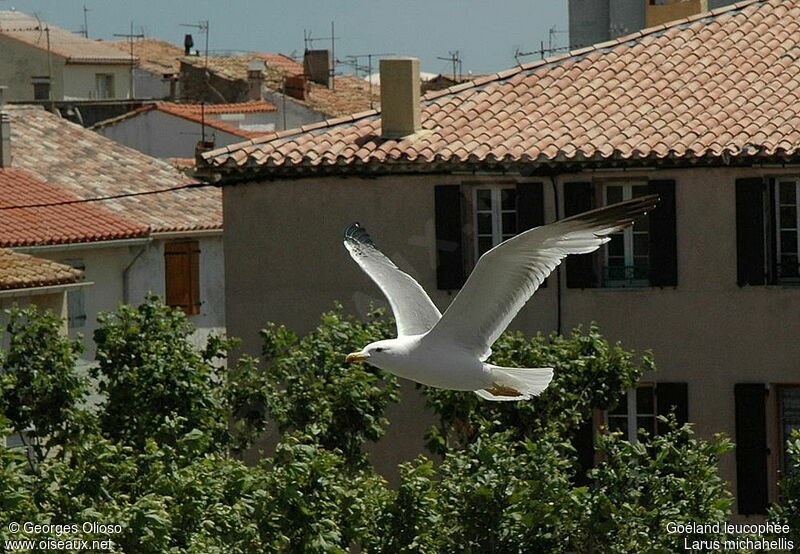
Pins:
x: 20, y: 62
x: 80, y: 80
x: 285, y: 263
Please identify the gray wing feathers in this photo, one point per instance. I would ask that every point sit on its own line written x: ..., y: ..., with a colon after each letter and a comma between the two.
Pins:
x: 413, y: 309
x: 506, y: 276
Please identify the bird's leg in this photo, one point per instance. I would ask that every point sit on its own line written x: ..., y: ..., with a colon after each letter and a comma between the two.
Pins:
x: 503, y: 390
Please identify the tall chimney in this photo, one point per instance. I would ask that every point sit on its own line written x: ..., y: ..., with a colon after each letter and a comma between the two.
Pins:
x: 317, y: 65
x: 5, y: 131
x: 400, y: 95
x: 255, y: 79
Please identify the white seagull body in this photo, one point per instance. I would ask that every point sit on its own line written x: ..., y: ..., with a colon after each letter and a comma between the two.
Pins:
x: 449, y: 351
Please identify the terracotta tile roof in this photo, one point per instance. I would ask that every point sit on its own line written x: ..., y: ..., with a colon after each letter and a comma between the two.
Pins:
x: 61, y: 220
x: 716, y: 87
x: 87, y: 165
x: 75, y: 48
x: 193, y: 112
x: 22, y: 271
x: 350, y: 94
x: 154, y: 55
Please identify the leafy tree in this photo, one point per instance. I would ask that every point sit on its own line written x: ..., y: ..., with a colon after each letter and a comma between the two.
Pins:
x: 787, y: 512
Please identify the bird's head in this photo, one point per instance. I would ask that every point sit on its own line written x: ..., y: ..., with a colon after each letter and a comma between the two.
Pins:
x: 373, y: 353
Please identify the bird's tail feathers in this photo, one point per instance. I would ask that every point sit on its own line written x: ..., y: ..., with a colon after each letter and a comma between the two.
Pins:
x: 516, y: 383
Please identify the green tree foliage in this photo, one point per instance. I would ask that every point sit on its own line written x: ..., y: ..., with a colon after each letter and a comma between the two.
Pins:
x: 788, y: 511
x: 160, y: 454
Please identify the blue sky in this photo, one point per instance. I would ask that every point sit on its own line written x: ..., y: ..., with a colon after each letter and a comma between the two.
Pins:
x: 486, y: 34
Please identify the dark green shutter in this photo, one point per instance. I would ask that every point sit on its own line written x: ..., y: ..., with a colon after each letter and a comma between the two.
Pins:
x: 581, y: 272
x: 751, y: 448
x: 672, y: 397
x: 530, y: 208
x: 663, y: 236
x: 750, y: 231
x: 449, y: 248
x: 583, y: 442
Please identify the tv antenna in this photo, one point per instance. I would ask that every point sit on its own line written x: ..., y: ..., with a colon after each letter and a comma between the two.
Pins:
x: 309, y: 41
x: 85, y: 29
x: 130, y: 36
x: 542, y: 51
x: 353, y: 61
x: 455, y: 59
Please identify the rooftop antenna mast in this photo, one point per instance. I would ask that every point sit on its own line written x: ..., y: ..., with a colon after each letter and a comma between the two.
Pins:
x: 455, y: 59
x: 203, y: 27
x: 368, y: 68
x: 130, y: 36
x: 85, y: 30
x: 309, y: 43
x: 542, y: 51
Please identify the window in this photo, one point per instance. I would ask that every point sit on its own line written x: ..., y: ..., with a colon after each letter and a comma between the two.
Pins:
x: 41, y: 88
x: 627, y: 255
x: 76, y: 305
x: 636, y: 411
x: 645, y: 255
x: 787, y: 228
x: 104, y: 85
x: 788, y: 420
x: 495, y: 216
x: 182, y: 275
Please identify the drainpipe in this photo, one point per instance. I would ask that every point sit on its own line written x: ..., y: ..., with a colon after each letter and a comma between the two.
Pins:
x: 558, y: 268
x: 126, y: 274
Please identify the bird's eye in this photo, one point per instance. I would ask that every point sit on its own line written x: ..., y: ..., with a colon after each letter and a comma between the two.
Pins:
x: 380, y: 349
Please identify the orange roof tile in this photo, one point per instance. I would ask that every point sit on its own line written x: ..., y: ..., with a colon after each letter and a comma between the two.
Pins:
x: 22, y: 271
x: 716, y: 86
x: 75, y: 48
x: 87, y: 165
x: 59, y: 220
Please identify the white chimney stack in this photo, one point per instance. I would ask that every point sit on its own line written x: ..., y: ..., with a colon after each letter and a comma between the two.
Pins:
x: 5, y: 131
x: 400, y: 94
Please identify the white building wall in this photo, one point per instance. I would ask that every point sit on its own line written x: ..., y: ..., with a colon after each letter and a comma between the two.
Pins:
x: 80, y: 80
x: 162, y: 135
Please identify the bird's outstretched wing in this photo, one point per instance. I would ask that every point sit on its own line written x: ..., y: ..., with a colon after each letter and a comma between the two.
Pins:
x: 413, y: 309
x: 506, y: 276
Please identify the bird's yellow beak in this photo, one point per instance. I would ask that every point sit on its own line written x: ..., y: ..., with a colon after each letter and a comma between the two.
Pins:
x: 356, y: 357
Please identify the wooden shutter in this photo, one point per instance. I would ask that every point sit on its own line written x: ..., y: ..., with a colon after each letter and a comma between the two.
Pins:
x: 669, y: 397
x: 751, y: 448
x: 449, y: 248
x: 581, y: 271
x: 750, y: 231
x: 530, y: 209
x: 663, y: 236
x: 182, y: 275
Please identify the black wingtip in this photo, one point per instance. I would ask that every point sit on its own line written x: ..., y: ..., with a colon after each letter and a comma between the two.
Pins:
x: 357, y: 233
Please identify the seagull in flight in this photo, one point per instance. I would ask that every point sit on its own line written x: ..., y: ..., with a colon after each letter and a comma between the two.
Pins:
x: 449, y: 351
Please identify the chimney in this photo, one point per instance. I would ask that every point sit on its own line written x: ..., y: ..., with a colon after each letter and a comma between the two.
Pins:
x: 400, y: 93
x: 188, y: 42
x: 5, y: 131
x: 658, y: 12
x: 255, y: 79
x: 296, y: 86
x: 317, y: 65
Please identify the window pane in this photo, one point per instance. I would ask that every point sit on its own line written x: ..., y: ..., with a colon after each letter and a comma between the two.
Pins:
x: 621, y: 408
x: 484, y: 244
x: 788, y: 266
x: 641, y: 244
x: 484, y: 224
x: 788, y: 217
x: 508, y: 199
x: 788, y: 241
x: 646, y: 423
x: 509, y: 223
x: 618, y: 424
x: 483, y: 199
x: 788, y: 193
x: 613, y: 194
x: 638, y: 190
x: 616, y: 247
x: 644, y: 400
x: 790, y: 417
